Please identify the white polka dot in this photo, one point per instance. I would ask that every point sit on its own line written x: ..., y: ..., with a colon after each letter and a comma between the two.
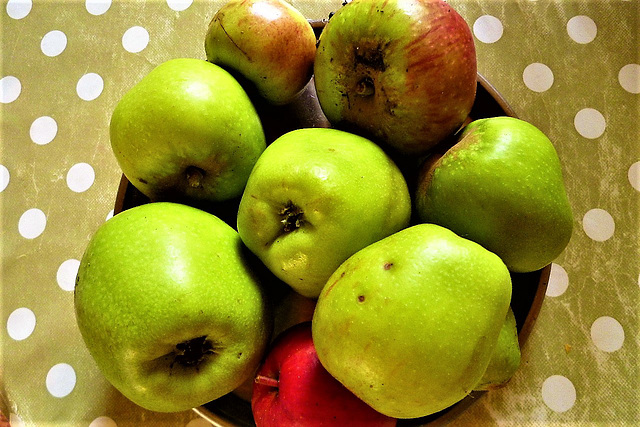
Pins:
x: 90, y: 86
x: 66, y: 275
x: 558, y: 393
x: 109, y: 215
x: 32, y: 223
x: 590, y: 123
x: 80, y: 177
x: 53, y: 43
x: 21, y: 323
x: 488, y: 29
x: 18, y: 9
x: 198, y: 422
x: 97, y: 7
x: 43, y: 130
x: 629, y: 78
x: 537, y: 77
x: 598, y: 224
x: 558, y: 281
x: 179, y: 5
x: 61, y: 380
x: 10, y: 88
x: 4, y: 177
x: 135, y: 39
x: 633, y: 174
x: 103, y: 421
x: 607, y: 334
x: 582, y: 29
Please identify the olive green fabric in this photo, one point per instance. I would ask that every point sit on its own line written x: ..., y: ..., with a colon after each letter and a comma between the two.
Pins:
x: 569, y: 67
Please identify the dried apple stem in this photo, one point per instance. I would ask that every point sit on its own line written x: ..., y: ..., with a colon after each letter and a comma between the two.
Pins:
x: 267, y: 381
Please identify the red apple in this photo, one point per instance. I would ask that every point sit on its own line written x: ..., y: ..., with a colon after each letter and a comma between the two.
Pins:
x: 269, y: 42
x: 401, y: 71
x: 292, y: 388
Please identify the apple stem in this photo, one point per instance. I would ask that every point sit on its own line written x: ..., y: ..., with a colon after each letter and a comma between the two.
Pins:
x: 267, y: 381
x: 195, y: 176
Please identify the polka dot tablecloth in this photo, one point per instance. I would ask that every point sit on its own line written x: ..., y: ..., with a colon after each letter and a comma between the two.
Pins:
x: 571, y: 68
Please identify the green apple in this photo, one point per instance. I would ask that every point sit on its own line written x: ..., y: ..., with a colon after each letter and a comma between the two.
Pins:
x: 410, y: 322
x: 315, y: 197
x: 187, y: 132
x: 169, y: 307
x: 505, y: 359
x: 500, y: 185
x: 269, y: 42
x: 402, y: 71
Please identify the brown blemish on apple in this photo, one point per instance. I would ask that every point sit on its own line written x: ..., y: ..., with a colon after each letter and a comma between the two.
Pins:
x: 220, y: 18
x: 143, y: 181
x: 333, y: 284
x: 361, y: 298
x: 370, y: 55
x: 387, y: 265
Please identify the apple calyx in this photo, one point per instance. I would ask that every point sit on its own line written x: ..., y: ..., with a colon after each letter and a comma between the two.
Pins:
x: 365, y: 87
x: 192, y: 352
x: 267, y: 381
x: 195, y: 175
x: 369, y: 60
x: 292, y: 217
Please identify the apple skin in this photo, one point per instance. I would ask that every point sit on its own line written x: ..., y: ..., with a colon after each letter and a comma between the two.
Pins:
x: 269, y: 42
x: 402, y: 72
x: 409, y: 323
x: 501, y: 186
x: 315, y: 197
x: 505, y: 359
x: 187, y: 132
x: 292, y: 388
x: 169, y: 307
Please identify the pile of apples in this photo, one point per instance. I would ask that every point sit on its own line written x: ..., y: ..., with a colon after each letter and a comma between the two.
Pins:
x: 365, y: 274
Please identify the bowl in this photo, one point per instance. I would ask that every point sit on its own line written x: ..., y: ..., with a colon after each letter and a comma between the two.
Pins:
x: 529, y: 289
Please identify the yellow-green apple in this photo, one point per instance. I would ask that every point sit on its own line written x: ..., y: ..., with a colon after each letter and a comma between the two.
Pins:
x: 292, y: 388
x: 269, y: 42
x: 500, y: 185
x: 400, y: 71
x: 505, y: 359
x: 315, y: 197
x: 187, y: 132
x: 409, y: 323
x: 169, y: 307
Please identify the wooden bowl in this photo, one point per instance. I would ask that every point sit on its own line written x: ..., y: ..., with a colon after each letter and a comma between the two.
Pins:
x: 528, y: 288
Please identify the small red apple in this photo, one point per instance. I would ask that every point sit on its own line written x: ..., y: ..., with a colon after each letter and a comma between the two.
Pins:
x: 292, y: 388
